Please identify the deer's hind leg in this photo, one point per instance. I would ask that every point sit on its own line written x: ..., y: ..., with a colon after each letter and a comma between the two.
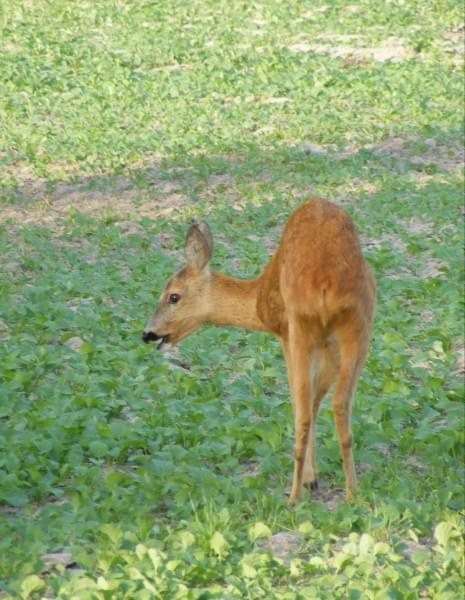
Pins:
x: 353, y: 342
x: 298, y: 351
x: 325, y: 366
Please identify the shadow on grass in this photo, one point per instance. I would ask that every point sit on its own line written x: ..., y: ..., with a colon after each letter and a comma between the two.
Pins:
x: 158, y: 187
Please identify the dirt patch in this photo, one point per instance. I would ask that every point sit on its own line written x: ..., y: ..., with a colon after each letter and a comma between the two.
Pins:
x: 284, y: 545
x: 269, y: 242
x: 432, y: 268
x: 410, y: 151
x: 216, y: 181
x: 452, y: 44
x: 352, y: 46
x: 414, y: 150
x: 145, y: 190
x: 427, y: 316
x: 74, y: 343
x: 416, y: 463
x: 41, y: 202
x: 356, y: 186
x: 50, y: 208
x: 4, y: 331
x: 60, y: 204
x: 418, y: 227
x: 252, y: 470
x: 315, y: 149
x: 459, y: 368
x: 130, y: 228
x: 390, y: 239
x: 330, y: 498
x: 54, y: 559
x: 411, y: 547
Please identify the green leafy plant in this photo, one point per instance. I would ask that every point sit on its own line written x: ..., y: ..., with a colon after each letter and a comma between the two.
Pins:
x: 129, y: 474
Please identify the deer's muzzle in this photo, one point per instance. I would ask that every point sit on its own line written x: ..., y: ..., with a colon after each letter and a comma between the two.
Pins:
x: 150, y: 336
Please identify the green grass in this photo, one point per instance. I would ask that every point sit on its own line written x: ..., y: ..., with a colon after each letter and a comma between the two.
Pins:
x: 121, y: 122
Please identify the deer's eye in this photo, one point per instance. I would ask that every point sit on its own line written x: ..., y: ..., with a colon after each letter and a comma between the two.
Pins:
x: 174, y: 298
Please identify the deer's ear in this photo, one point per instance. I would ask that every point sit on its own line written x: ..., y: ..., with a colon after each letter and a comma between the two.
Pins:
x: 199, y: 246
x: 207, y: 234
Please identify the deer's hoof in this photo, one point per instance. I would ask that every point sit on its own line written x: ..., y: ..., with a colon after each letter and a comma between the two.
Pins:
x: 312, y: 485
x: 292, y: 502
x: 294, y: 498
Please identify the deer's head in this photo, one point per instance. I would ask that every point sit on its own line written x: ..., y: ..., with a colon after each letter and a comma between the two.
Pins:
x: 184, y: 302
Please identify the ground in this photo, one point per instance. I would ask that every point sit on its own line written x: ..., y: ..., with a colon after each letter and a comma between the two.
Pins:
x: 125, y: 473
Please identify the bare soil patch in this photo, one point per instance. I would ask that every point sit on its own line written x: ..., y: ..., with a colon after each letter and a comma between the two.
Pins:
x: 410, y: 150
x: 353, y: 46
x: 284, y: 544
x: 448, y: 158
x: 453, y: 44
x: 122, y: 196
x: 459, y: 368
x: 144, y: 190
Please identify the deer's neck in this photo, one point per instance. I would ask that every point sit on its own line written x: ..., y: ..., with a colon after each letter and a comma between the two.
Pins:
x: 234, y: 302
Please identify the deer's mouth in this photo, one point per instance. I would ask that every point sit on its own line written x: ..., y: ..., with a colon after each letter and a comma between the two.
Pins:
x: 163, y: 340
x: 150, y: 336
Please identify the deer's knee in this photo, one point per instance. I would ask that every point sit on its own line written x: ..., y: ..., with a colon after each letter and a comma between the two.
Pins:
x: 346, y: 443
x: 340, y: 410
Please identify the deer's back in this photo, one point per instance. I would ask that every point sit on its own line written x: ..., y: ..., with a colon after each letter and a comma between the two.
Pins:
x: 318, y: 270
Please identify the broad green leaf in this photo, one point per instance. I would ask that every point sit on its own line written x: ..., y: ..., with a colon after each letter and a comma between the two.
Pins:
x: 420, y: 557
x: 442, y: 532
x: 341, y: 560
x: 258, y: 531
x: 31, y: 585
x: 381, y: 548
x: 248, y: 571
x: 306, y: 528
x: 186, y: 538
x: 98, y: 448
x: 218, y: 544
x: 102, y: 583
x: 156, y: 557
x: 113, y: 532
x: 317, y: 561
x: 366, y: 544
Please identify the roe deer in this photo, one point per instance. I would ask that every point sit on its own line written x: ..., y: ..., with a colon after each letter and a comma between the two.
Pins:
x: 317, y: 295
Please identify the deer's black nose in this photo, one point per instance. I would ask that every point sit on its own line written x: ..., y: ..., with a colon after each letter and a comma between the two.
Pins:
x: 149, y: 336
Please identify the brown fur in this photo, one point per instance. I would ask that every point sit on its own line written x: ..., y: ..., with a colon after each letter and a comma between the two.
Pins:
x: 317, y: 294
